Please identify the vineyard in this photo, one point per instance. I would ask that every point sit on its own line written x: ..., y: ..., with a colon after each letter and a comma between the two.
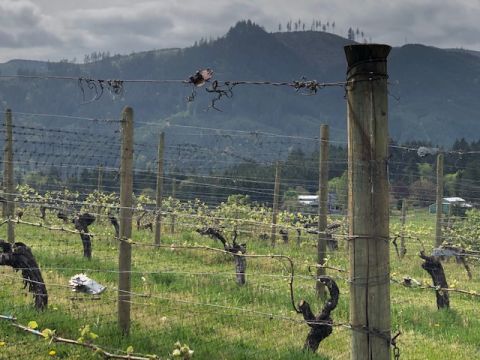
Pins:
x: 171, y: 255
x: 187, y: 290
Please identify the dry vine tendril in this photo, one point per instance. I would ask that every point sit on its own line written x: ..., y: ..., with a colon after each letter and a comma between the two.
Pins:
x: 114, y: 87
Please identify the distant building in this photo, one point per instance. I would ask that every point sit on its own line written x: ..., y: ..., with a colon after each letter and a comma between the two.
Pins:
x: 309, y: 200
x: 451, y: 205
x: 312, y: 201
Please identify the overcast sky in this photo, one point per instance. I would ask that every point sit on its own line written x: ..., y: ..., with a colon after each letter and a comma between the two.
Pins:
x: 56, y: 29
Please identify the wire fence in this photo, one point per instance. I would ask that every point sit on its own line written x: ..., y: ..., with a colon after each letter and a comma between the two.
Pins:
x: 186, y: 288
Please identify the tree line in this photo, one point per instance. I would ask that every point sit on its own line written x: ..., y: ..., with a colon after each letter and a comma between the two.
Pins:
x: 411, y: 176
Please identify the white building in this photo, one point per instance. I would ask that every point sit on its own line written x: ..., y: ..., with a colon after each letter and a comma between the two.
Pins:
x: 312, y: 200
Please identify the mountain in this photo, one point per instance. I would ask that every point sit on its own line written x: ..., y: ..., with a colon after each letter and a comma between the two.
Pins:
x: 437, y: 92
x: 13, y: 67
x: 433, y: 91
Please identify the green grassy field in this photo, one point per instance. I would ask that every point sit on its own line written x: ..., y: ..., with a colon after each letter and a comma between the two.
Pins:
x: 191, y: 296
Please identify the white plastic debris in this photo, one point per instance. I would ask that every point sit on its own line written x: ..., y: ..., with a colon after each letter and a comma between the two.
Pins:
x: 410, y: 282
x: 82, y: 283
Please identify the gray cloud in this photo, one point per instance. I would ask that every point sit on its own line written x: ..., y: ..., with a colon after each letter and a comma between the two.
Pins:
x: 151, y: 24
x: 59, y: 29
x: 15, y: 14
x: 142, y: 20
x: 420, y: 21
x: 7, y: 39
x: 22, y: 25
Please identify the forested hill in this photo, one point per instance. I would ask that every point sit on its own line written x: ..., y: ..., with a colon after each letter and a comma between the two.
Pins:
x: 434, y: 91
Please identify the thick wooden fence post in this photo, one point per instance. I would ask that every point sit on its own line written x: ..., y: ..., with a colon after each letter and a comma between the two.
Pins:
x: 439, y: 202
x: 368, y: 214
x: 158, y: 215
x: 322, y: 208
x: 8, y: 184
x: 126, y: 212
x: 276, y: 193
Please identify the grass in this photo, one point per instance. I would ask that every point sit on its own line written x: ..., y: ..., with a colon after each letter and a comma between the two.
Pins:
x: 191, y: 296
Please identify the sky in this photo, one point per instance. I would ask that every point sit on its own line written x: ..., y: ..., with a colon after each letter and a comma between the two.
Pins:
x: 67, y: 29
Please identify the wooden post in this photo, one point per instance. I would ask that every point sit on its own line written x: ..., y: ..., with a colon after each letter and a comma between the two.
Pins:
x: 100, y: 178
x: 322, y: 208
x: 126, y: 212
x: 172, y: 215
x: 158, y: 217
x: 403, y: 249
x: 99, y: 188
x: 368, y: 212
x: 276, y: 192
x: 449, y: 217
x: 439, y: 212
x: 8, y: 184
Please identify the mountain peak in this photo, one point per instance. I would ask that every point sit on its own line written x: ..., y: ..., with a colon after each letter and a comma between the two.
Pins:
x: 245, y: 27
x: 435, y: 89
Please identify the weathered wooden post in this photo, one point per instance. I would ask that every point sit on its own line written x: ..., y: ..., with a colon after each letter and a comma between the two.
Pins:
x: 276, y: 193
x: 172, y: 215
x: 8, y: 184
x: 99, y: 188
x: 439, y: 202
x: 158, y: 214
x: 449, y: 217
x: 126, y: 212
x: 99, y: 178
x: 368, y: 214
x: 322, y: 208
x: 403, y: 249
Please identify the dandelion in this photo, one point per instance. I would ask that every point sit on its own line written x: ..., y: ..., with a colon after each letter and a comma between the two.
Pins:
x: 32, y: 325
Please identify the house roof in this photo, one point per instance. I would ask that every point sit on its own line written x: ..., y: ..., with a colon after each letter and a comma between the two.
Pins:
x: 453, y: 199
x: 307, y: 197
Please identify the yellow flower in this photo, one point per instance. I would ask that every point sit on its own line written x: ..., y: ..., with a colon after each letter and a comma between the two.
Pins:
x: 3, y: 343
x: 176, y: 353
x: 32, y: 324
x: 52, y: 353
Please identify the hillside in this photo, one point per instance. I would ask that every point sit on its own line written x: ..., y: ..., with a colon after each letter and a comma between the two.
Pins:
x: 433, y: 90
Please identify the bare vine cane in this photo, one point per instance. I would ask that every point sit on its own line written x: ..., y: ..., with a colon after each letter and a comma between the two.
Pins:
x: 81, y: 222
x: 320, y: 325
x: 20, y: 257
x: 238, y: 250
x: 435, y: 269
